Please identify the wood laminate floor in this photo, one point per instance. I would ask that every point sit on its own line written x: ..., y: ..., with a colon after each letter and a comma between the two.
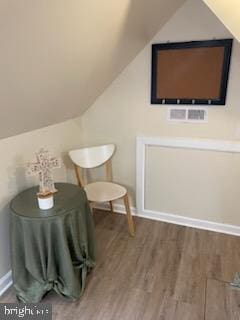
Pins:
x: 166, y: 272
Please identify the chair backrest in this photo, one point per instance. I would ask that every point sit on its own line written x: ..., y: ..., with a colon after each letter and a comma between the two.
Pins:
x: 92, y: 157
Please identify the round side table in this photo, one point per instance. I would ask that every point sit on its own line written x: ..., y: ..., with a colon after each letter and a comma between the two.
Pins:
x: 51, y: 249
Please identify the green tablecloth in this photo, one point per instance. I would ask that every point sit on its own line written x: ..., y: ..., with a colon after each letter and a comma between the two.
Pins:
x: 51, y: 249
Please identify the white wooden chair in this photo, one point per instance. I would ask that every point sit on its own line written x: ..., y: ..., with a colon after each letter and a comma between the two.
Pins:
x: 100, y: 191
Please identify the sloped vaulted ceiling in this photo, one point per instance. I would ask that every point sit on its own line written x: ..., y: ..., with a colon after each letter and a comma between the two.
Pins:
x: 228, y: 11
x: 58, y: 56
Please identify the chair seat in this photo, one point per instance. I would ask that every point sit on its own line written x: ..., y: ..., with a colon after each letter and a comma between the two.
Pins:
x: 104, y: 191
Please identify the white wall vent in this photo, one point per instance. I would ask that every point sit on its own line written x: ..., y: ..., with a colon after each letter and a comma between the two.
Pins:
x: 188, y: 114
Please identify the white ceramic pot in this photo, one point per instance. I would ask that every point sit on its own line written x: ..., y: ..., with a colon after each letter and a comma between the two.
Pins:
x: 45, y: 202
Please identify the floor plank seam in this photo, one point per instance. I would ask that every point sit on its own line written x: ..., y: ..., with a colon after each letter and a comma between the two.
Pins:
x: 205, y: 300
x: 219, y: 280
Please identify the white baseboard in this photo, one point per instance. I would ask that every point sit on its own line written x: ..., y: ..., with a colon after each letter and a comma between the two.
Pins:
x: 177, y: 219
x: 119, y: 208
x: 5, y: 282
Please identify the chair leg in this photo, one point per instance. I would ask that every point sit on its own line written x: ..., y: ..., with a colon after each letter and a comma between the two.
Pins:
x: 129, y: 215
x: 111, y: 206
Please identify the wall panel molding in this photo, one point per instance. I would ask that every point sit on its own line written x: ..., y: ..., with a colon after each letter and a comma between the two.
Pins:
x: 184, y: 143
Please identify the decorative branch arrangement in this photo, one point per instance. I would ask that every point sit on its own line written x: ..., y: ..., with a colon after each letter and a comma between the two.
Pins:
x: 43, y: 167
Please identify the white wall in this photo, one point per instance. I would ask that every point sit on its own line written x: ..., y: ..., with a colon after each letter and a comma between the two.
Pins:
x: 124, y: 110
x: 16, y: 152
x: 197, y: 184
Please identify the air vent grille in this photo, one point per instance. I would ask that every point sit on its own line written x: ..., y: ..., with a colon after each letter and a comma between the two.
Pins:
x: 196, y: 114
x: 178, y: 114
x: 188, y: 115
